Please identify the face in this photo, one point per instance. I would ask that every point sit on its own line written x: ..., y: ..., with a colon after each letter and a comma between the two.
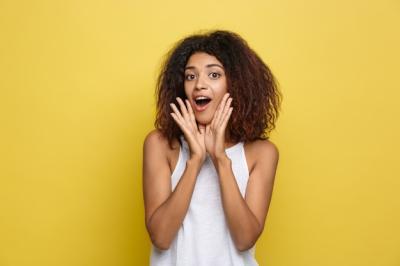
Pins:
x: 205, y: 85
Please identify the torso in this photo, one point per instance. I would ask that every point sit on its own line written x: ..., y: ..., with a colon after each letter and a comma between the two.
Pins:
x: 204, y: 228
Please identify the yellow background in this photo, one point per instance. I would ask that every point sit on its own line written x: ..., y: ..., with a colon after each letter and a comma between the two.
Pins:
x: 77, y: 99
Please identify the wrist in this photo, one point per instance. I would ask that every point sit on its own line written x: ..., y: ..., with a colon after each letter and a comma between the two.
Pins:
x: 195, y: 162
x: 221, y: 161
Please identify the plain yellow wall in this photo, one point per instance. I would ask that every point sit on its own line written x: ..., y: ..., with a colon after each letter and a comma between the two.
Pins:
x: 77, y: 99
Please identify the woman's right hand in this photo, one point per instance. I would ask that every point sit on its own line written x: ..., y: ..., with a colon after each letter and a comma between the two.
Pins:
x: 193, y: 135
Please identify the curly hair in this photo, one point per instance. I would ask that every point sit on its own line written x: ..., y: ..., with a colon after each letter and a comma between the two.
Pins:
x: 250, y: 83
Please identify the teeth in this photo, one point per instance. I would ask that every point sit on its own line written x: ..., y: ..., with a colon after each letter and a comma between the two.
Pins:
x: 201, y: 98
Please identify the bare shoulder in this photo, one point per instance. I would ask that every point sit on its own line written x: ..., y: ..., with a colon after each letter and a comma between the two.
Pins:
x: 261, y: 151
x: 264, y: 146
x: 156, y: 139
x: 156, y: 143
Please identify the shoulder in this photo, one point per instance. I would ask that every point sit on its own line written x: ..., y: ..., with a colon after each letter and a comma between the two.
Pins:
x: 262, y: 152
x: 155, y: 137
x: 157, y: 150
x: 156, y: 140
x: 266, y: 147
x: 263, y: 146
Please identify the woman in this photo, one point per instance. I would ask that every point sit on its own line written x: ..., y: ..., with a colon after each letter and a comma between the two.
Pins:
x: 208, y: 167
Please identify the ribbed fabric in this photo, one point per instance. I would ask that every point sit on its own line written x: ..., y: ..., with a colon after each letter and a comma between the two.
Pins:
x: 204, y: 238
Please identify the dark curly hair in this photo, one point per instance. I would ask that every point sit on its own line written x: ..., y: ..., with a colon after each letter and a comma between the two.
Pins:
x: 250, y: 83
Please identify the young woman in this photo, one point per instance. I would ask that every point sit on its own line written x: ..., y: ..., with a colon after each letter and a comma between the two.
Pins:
x: 208, y: 167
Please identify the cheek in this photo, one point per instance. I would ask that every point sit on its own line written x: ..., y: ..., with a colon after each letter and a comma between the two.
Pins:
x: 186, y: 92
x: 218, y: 101
x: 188, y: 85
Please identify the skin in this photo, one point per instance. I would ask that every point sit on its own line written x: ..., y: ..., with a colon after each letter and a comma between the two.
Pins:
x: 205, y: 133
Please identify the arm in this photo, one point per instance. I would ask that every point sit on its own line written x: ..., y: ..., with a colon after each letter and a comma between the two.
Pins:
x: 164, y: 210
x: 246, y: 217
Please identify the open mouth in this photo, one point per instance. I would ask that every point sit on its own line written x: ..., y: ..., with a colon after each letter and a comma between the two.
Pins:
x: 201, y: 103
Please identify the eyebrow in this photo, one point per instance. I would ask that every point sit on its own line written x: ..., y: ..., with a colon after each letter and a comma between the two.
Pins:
x: 209, y: 65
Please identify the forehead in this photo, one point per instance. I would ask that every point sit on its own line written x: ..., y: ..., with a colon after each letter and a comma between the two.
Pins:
x: 201, y: 59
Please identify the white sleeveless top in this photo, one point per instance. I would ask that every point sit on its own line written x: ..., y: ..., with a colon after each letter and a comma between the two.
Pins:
x: 204, y: 238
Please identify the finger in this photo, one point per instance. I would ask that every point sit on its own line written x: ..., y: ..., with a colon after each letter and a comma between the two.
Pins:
x: 226, y: 118
x: 226, y: 110
x: 183, y: 108
x: 191, y: 114
x: 176, y: 111
x: 217, y: 114
x: 215, y: 119
x: 178, y: 121
x: 181, y: 123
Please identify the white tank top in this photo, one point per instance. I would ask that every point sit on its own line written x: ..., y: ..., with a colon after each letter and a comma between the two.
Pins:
x: 204, y: 238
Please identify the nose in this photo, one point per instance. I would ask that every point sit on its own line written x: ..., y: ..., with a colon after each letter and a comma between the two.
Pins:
x: 201, y: 82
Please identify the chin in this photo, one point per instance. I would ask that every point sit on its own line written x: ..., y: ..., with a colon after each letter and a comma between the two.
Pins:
x: 203, y: 120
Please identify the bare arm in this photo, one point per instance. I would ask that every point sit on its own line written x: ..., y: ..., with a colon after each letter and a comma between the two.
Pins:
x: 164, y: 209
x: 246, y: 217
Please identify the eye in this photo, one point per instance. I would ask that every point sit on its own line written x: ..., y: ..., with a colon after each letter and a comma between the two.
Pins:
x: 215, y: 75
x: 189, y: 76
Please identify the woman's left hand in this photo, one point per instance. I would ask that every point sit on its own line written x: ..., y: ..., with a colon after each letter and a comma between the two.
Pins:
x: 215, y: 131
